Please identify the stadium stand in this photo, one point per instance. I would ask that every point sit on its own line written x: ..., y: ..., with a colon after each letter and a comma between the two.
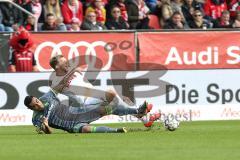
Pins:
x: 139, y: 14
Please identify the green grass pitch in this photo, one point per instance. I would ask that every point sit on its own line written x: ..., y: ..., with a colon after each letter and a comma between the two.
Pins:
x: 206, y: 140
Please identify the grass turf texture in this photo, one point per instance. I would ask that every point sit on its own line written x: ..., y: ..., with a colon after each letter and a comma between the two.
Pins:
x: 213, y: 140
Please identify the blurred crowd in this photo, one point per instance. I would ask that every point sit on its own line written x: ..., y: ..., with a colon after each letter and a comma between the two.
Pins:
x: 76, y: 15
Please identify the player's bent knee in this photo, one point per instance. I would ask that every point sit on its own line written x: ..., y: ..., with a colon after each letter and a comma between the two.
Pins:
x: 102, y: 111
x: 86, y: 129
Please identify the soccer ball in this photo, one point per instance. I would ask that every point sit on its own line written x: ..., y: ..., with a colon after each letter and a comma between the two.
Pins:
x: 171, y: 123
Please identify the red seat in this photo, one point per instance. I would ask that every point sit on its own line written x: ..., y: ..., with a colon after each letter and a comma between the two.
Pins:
x: 154, y: 22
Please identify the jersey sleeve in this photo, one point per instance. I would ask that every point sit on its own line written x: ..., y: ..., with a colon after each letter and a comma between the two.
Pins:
x: 37, y: 120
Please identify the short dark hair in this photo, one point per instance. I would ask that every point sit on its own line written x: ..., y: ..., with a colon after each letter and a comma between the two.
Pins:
x: 176, y: 13
x: 27, y: 101
x: 54, y: 61
x: 115, y: 6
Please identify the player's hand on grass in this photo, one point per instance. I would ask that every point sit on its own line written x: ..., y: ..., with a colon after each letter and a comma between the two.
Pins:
x: 45, y: 121
x: 45, y: 127
x: 39, y: 130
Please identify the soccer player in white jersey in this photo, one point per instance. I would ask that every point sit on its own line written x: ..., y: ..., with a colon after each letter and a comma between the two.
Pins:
x: 82, y: 93
x: 77, y: 88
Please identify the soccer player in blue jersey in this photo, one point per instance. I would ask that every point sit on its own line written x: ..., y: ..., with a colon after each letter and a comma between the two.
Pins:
x: 50, y: 112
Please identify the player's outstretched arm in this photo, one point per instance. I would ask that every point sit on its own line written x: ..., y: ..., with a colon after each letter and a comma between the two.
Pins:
x: 63, y: 83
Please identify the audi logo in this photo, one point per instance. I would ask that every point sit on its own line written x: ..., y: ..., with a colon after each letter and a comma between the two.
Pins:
x: 74, y: 52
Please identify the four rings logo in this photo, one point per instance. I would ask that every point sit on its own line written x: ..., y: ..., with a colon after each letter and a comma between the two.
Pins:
x: 56, y: 49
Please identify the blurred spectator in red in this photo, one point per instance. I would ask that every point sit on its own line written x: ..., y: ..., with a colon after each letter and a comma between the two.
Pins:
x: 72, y: 9
x: 120, y: 4
x: 21, y: 59
x: 214, y: 8
x: 35, y: 7
x: 75, y: 26
x: 224, y: 21
x: 234, y: 7
x: 11, y: 16
x: 98, y: 7
x: 90, y: 22
x: 53, y: 6
x: 198, y: 21
x: 188, y: 8
x: 29, y: 23
x: 52, y: 24
x: 116, y: 22
x: 236, y: 23
x: 137, y: 14
x: 176, y: 22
